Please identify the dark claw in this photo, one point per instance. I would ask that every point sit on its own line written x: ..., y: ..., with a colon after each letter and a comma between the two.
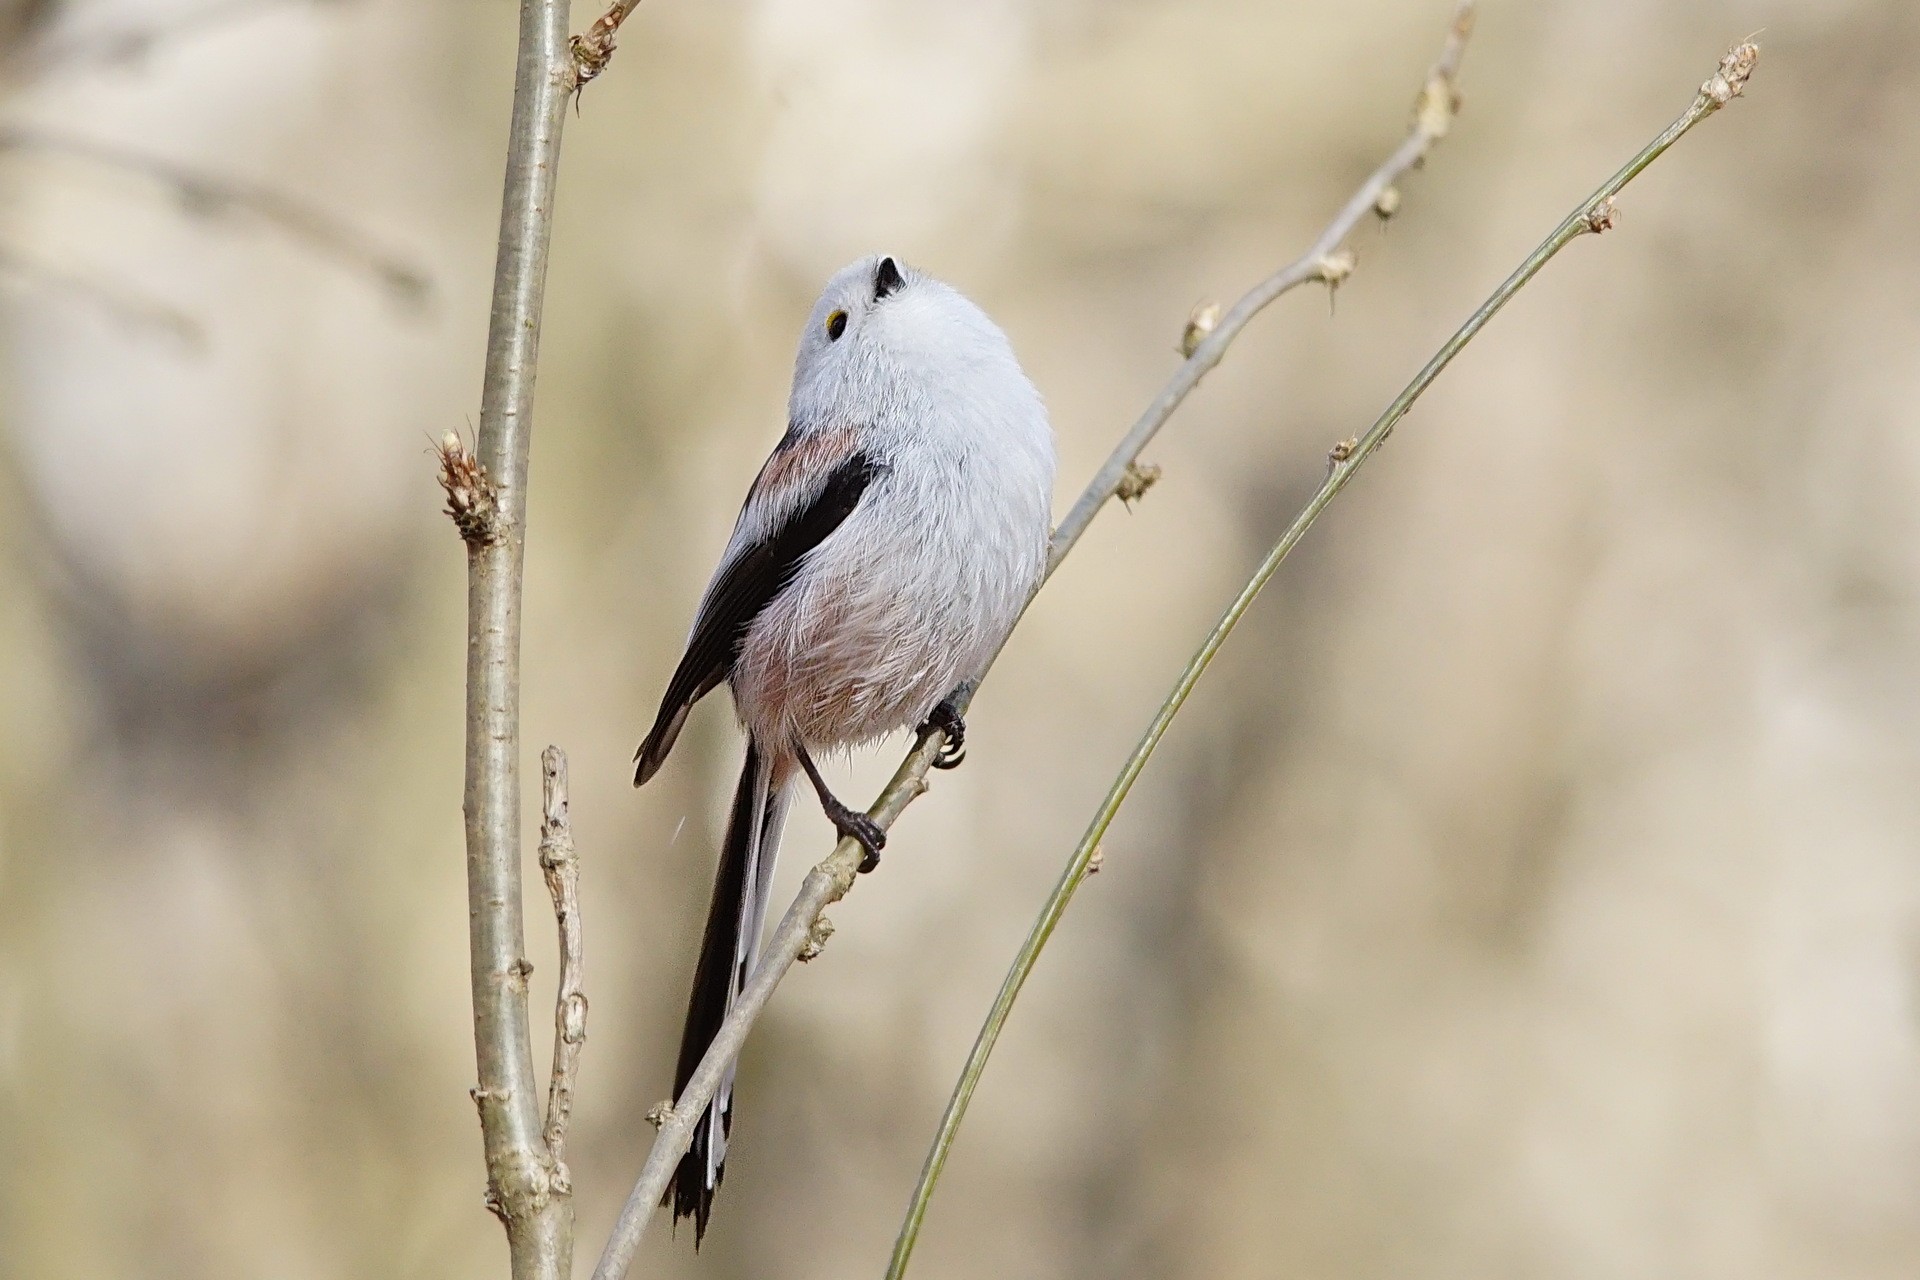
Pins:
x: 851, y: 822
x: 867, y: 832
x: 950, y: 722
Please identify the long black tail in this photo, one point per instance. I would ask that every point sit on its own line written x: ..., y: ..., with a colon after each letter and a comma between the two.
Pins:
x: 727, y: 952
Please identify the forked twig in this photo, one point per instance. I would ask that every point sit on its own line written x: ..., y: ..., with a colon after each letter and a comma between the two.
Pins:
x: 1594, y: 215
x: 594, y: 50
x: 828, y: 882
x: 134, y: 309
x: 64, y: 51
x: 211, y: 195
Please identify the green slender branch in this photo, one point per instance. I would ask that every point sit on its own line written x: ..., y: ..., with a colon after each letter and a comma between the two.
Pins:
x: 802, y: 930
x: 1594, y: 214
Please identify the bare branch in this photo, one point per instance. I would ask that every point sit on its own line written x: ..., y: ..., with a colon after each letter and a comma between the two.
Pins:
x: 562, y: 870
x: 1323, y: 261
x: 134, y: 309
x: 525, y: 1185
x: 1345, y: 459
x: 594, y: 50
x: 208, y: 195
x: 828, y: 882
x: 129, y: 43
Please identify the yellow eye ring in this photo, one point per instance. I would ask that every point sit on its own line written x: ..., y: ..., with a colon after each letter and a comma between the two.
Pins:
x: 836, y: 325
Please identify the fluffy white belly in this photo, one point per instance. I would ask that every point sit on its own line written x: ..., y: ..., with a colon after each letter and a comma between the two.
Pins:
x: 903, y: 602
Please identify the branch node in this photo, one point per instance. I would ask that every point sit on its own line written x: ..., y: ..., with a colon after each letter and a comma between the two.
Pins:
x: 1440, y: 99
x: 816, y: 939
x: 1096, y: 860
x: 573, y: 1018
x: 1387, y: 203
x: 594, y: 50
x: 1201, y: 321
x: 1603, y: 216
x: 553, y: 801
x: 659, y: 1113
x: 524, y: 1183
x: 472, y: 500
x: 1139, y: 477
x: 1333, y: 268
x: 1438, y: 104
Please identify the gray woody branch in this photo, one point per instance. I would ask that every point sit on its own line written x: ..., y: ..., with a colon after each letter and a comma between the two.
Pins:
x: 527, y: 1185
x: 802, y: 930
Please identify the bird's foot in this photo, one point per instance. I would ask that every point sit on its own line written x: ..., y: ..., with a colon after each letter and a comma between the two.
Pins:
x: 946, y: 718
x: 852, y: 823
x: 848, y: 822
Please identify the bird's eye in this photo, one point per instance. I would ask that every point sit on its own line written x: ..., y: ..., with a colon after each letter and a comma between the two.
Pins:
x: 836, y: 325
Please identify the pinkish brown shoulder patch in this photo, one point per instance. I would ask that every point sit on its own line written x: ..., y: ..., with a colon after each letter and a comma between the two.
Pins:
x: 795, y: 465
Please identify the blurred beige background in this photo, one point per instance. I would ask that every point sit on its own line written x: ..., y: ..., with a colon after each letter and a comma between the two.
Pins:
x: 1530, y: 892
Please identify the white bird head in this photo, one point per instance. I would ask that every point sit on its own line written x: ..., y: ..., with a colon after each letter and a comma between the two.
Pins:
x: 884, y: 338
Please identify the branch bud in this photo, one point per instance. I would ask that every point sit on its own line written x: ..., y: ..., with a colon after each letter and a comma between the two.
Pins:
x: 1439, y: 103
x: 1201, y: 321
x: 471, y: 497
x: 1730, y: 80
x: 1139, y: 477
x: 1336, y: 267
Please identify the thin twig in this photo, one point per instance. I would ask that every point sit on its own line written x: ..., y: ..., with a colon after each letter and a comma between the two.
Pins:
x: 828, y: 882
x: 594, y: 50
x: 561, y: 867
x: 1593, y: 215
x: 1323, y: 261
x: 523, y: 1186
x: 129, y: 43
x: 133, y: 309
x: 210, y: 195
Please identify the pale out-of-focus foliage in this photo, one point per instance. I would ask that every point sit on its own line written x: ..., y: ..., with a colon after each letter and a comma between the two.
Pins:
x: 1530, y: 892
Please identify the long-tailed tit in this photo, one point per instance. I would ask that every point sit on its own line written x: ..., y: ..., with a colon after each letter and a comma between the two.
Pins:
x: 883, y: 553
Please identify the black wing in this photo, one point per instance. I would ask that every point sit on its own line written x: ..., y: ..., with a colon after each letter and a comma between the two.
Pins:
x: 743, y: 589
